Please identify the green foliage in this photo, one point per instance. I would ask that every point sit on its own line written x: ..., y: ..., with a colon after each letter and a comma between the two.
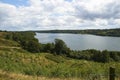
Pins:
x: 115, y: 55
x: 26, y: 40
x: 49, y: 47
x: 95, y: 55
x: 61, y: 47
x: 105, y: 56
x: 31, y: 44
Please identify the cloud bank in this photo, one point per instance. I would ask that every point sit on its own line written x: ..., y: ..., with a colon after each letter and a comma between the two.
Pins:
x: 60, y: 14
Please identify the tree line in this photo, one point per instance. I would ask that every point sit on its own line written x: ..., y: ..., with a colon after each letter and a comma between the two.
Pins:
x: 96, y: 55
x: 101, y: 32
x: 28, y: 42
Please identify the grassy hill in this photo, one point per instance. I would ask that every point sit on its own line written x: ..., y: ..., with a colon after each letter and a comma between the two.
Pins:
x: 8, y: 43
x: 19, y: 64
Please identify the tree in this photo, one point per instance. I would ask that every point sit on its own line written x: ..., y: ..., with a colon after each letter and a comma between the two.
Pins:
x: 33, y: 46
x: 61, y: 47
x: 115, y: 56
x: 105, y: 56
x: 49, y: 47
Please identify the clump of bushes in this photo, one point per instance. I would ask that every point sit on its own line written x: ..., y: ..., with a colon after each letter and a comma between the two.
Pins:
x: 96, y: 55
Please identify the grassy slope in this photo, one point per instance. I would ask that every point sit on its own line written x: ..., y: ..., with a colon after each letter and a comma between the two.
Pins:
x: 16, y: 63
x: 21, y: 62
x: 7, y: 43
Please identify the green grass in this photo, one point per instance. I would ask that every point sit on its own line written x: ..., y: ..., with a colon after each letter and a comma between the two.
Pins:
x: 49, y: 65
x: 55, y: 58
x: 13, y: 76
x: 4, y: 42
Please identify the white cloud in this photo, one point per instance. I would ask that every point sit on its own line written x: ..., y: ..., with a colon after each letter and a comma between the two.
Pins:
x: 117, y: 21
x: 94, y: 5
x: 60, y: 14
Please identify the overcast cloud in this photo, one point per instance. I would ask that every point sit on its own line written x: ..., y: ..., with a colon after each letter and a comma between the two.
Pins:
x: 60, y: 14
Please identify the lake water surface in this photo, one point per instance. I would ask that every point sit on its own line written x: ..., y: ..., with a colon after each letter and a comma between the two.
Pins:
x: 82, y: 41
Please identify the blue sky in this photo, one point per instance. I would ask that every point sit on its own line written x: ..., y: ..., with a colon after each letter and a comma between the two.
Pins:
x: 20, y: 2
x: 69, y: 0
x: 16, y: 2
x: 59, y: 14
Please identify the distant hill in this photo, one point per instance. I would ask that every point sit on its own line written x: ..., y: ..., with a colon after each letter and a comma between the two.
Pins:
x: 101, y: 32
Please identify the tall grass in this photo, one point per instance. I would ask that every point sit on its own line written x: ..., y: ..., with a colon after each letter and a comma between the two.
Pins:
x: 49, y: 65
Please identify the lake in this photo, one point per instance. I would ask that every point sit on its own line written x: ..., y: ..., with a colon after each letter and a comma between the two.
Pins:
x: 82, y: 41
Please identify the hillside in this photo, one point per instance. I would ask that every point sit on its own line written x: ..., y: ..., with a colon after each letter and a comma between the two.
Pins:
x: 20, y: 62
x: 17, y: 63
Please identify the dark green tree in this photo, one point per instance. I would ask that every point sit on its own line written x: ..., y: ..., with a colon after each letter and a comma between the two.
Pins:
x: 33, y: 46
x: 61, y: 47
x: 49, y: 47
x: 105, y: 56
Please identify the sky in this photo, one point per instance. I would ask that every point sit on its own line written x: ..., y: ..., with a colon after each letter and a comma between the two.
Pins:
x: 59, y: 14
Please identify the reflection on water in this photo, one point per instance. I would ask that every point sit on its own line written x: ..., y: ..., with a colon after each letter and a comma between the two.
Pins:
x: 82, y: 41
